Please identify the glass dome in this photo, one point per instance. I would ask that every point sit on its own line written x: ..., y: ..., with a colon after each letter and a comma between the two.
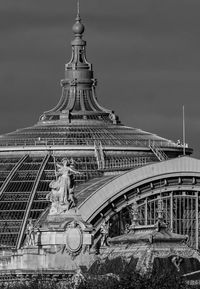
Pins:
x: 79, y: 129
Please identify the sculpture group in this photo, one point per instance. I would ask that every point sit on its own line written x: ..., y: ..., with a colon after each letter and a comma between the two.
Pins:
x: 62, y: 188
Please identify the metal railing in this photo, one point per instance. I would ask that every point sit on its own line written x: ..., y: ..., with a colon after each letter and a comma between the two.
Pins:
x: 89, y: 142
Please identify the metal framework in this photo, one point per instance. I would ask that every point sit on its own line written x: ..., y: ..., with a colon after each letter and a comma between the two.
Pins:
x: 110, y: 135
x: 16, y: 202
x: 30, y: 200
x: 181, y: 214
x: 180, y: 193
x: 24, y: 186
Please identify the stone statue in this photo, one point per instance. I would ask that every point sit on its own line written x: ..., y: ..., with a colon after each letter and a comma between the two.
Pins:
x: 78, y: 278
x: 104, y: 230
x: 160, y: 211
x: 30, y: 234
x: 62, y: 189
x: 127, y: 228
x: 176, y: 260
x: 134, y: 215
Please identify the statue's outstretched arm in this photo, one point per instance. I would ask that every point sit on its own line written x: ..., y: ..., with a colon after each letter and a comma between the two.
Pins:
x: 59, y: 167
x: 74, y: 171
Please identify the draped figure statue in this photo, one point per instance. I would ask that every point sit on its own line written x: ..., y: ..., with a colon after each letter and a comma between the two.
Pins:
x: 30, y: 241
x: 62, y: 189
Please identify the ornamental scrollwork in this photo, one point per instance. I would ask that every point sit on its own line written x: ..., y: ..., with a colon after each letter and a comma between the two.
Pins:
x: 74, y: 239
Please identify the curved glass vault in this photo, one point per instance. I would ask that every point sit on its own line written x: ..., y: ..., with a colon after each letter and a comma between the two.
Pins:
x: 24, y: 185
x: 181, y: 214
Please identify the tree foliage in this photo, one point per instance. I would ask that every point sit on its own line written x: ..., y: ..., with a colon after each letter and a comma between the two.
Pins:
x: 131, y: 279
x: 124, y: 279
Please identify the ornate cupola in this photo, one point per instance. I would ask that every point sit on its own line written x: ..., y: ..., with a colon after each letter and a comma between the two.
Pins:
x: 78, y: 103
x: 79, y: 120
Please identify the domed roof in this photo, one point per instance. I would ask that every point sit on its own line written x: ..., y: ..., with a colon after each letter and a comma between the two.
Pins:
x: 77, y: 128
x: 116, y: 135
x: 79, y: 120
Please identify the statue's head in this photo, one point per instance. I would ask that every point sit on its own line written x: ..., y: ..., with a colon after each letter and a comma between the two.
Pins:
x: 66, y: 162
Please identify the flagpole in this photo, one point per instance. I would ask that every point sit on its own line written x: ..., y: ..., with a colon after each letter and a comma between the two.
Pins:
x: 183, y: 130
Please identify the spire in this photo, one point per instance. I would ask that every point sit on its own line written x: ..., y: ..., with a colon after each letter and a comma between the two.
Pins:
x: 78, y: 103
x: 78, y: 9
x: 78, y: 59
x: 78, y: 28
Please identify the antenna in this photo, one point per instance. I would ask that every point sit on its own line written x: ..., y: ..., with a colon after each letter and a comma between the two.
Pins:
x: 183, y: 130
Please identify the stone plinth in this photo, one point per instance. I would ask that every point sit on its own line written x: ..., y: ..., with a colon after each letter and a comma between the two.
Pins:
x: 62, y: 242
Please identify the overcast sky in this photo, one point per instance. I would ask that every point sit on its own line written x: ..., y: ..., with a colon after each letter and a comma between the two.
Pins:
x: 145, y: 54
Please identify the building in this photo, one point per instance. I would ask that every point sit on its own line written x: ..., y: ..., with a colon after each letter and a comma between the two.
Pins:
x: 119, y: 164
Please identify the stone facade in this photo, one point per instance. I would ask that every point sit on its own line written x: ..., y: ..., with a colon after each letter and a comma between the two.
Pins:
x: 62, y: 242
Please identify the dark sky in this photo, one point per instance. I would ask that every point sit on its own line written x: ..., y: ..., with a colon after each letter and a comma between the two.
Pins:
x: 145, y: 54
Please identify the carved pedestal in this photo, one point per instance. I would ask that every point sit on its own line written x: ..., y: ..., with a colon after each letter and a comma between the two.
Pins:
x: 62, y: 242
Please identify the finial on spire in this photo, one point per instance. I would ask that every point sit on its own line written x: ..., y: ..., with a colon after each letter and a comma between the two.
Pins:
x: 78, y: 8
x: 78, y: 27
